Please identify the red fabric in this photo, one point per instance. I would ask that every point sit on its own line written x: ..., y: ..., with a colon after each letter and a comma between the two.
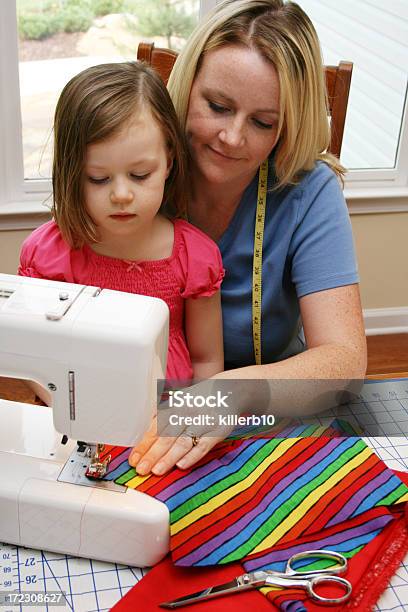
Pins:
x: 379, y: 564
x: 369, y: 571
x: 167, y: 581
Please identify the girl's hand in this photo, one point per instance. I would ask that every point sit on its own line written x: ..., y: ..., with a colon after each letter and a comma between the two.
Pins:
x: 180, y: 445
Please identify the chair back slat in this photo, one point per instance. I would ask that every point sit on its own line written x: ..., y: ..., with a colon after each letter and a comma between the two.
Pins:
x: 338, y: 81
x: 162, y: 60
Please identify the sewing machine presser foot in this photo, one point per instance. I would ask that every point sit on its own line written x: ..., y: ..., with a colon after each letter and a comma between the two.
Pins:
x: 97, y: 467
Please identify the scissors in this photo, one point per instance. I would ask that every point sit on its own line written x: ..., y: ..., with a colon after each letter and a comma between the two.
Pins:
x: 290, y: 578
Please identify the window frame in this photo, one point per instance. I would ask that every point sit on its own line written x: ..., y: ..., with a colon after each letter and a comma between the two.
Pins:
x: 22, y: 200
x: 382, y: 190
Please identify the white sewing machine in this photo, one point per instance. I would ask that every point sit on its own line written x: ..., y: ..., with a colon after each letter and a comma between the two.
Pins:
x: 98, y: 353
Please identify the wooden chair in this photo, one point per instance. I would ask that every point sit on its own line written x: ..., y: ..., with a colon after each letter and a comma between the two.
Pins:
x: 338, y: 79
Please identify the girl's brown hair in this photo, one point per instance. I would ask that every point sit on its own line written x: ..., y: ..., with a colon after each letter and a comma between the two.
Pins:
x: 283, y: 35
x: 93, y: 106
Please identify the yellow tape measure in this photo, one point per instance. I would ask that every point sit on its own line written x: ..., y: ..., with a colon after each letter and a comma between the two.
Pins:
x: 257, y: 261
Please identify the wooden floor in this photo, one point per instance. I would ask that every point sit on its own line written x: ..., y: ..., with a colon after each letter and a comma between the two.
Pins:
x: 387, y: 354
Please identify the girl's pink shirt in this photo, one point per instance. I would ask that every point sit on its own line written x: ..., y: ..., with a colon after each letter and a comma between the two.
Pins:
x: 193, y: 270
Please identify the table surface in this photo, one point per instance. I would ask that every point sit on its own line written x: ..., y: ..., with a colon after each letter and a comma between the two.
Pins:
x: 93, y: 586
x: 17, y: 390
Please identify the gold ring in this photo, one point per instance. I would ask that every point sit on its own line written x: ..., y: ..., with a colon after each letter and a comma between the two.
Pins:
x: 194, y: 440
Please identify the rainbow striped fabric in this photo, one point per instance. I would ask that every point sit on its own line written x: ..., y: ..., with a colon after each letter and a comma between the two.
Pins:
x: 261, y: 499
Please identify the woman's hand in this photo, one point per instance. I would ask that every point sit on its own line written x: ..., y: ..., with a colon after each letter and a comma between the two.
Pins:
x: 166, y: 444
x: 158, y: 454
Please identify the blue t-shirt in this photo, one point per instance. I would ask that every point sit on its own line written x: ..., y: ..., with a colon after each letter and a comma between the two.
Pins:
x: 307, y: 247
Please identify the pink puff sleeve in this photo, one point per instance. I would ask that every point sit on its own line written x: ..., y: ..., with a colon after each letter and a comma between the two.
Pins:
x: 199, y: 261
x: 44, y: 254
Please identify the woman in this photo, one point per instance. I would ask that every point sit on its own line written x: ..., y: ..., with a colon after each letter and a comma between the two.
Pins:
x: 249, y: 87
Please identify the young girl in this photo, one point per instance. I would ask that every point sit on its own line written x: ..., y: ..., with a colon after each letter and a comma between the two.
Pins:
x: 118, y: 198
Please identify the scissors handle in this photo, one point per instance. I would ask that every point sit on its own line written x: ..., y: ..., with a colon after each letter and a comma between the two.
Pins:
x: 339, y: 567
x: 309, y: 585
x: 315, y: 580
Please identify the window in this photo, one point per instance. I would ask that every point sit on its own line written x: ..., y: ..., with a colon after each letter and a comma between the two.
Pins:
x: 33, y: 72
x: 58, y: 40
x: 50, y: 42
x: 379, y: 81
x: 374, y: 36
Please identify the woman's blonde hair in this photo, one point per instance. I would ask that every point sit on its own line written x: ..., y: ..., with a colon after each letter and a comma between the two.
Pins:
x: 93, y: 106
x: 284, y: 36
